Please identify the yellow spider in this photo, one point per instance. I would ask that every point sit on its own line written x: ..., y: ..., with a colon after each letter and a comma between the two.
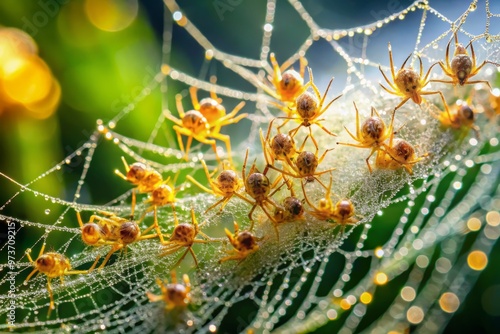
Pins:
x: 258, y: 187
x: 226, y: 185
x: 175, y: 295
x: 281, y: 147
x: 288, y: 83
x: 309, y: 107
x: 398, y: 153
x: 144, y: 177
x: 408, y: 83
x: 244, y: 243
x: 462, y: 117
x: 53, y: 265
x: 194, y: 125
x: 371, y: 134
x: 184, y: 235
x: 114, y: 231
x: 302, y: 167
x: 462, y: 66
x: 342, y: 212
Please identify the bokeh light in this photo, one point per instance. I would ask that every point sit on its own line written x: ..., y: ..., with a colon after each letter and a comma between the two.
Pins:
x: 111, y: 15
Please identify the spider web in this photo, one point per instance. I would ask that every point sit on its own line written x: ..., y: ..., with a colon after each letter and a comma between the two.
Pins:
x: 314, y: 277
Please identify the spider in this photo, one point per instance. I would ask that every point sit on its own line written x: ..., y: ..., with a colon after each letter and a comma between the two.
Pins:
x: 288, y: 83
x: 162, y: 195
x: 226, y: 185
x: 291, y: 209
x: 193, y: 124
x: 184, y: 235
x: 113, y: 231
x: 408, y: 83
x: 53, y: 265
x: 173, y: 294
x: 462, y: 66
x: 309, y: 107
x: 371, y: 134
x: 303, y: 166
x: 257, y: 185
x: 144, y: 177
x: 398, y: 153
x: 281, y: 147
x: 342, y: 213
x: 244, y: 243
x: 212, y: 109
x: 462, y: 117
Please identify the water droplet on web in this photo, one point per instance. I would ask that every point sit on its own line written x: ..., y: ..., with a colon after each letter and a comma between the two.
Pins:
x: 489, y: 39
x: 472, y: 7
x: 434, y: 45
x: 47, y: 211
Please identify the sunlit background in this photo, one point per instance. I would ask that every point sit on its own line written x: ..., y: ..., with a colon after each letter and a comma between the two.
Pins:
x: 66, y: 63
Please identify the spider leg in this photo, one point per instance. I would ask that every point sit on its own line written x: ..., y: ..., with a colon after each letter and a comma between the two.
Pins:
x: 227, y: 140
x: 391, y: 61
x: 113, y: 249
x: 401, y: 104
x: 51, y: 296
x: 178, y: 103
x: 194, y: 98
x: 442, y: 98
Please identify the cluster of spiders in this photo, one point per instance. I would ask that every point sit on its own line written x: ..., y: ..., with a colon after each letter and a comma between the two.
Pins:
x: 281, y: 154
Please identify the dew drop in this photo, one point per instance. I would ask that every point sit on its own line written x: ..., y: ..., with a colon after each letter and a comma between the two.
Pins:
x: 47, y: 211
x: 472, y: 7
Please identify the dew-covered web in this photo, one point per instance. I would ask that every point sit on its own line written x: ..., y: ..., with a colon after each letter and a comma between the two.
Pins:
x: 431, y: 231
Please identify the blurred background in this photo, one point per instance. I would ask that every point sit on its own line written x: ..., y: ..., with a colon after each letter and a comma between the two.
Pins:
x: 82, y: 60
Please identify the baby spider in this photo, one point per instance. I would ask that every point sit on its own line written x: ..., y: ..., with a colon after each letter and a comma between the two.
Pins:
x: 244, y: 243
x: 408, y: 83
x: 212, y: 109
x: 303, y: 166
x: 173, y: 294
x: 398, y: 153
x: 144, y: 177
x: 291, y: 209
x: 309, y: 107
x: 371, y: 134
x: 257, y: 185
x: 184, y: 235
x: 226, y: 185
x: 163, y: 194
x: 342, y: 213
x: 194, y: 124
x: 53, y: 265
x: 288, y: 83
x: 462, y: 118
x: 114, y: 231
x: 462, y: 66
x: 281, y: 147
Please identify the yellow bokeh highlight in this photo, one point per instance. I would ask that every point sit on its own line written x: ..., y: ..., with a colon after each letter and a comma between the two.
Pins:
x: 26, y: 82
x: 415, y: 315
x: 381, y: 278
x: 493, y: 218
x: 26, y: 79
x: 474, y: 224
x: 111, y: 15
x: 449, y: 302
x: 477, y: 260
x: 344, y: 304
x: 366, y: 298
